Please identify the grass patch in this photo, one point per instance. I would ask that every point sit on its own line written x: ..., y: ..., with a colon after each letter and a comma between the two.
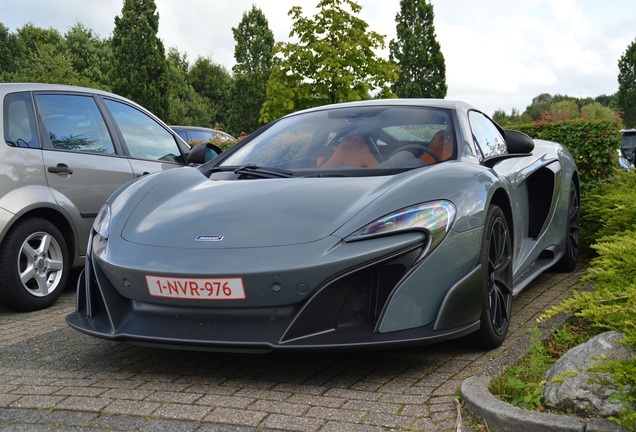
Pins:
x: 521, y: 384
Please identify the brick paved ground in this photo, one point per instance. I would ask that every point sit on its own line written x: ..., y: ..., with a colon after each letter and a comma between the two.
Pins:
x: 54, y: 378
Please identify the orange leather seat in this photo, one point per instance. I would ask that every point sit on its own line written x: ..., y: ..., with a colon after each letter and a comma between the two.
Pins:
x: 441, y: 144
x: 353, y: 152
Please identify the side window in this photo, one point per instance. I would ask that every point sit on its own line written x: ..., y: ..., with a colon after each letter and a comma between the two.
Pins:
x: 204, y: 136
x: 74, y: 123
x: 183, y: 134
x: 144, y: 137
x: 486, y: 135
x: 19, y: 121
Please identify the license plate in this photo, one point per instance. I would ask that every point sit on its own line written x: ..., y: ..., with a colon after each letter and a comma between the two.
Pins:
x: 196, y: 289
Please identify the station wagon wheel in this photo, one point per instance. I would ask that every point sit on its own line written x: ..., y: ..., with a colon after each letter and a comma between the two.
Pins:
x: 568, y: 262
x: 496, y: 261
x: 34, y: 265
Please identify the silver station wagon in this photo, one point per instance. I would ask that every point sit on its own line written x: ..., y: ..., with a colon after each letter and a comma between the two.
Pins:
x: 66, y: 150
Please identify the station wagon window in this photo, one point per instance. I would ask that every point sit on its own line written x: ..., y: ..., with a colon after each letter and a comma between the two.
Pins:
x: 74, y: 123
x: 486, y: 135
x: 204, y: 136
x: 144, y: 137
x: 19, y: 123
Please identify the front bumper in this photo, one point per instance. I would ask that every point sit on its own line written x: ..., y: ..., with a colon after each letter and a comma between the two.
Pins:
x: 344, y: 311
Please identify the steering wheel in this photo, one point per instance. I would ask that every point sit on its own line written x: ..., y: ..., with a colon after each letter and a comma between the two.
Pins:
x: 421, y: 148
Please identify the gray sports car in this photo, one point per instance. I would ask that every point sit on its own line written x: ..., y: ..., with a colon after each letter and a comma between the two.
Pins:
x: 356, y: 225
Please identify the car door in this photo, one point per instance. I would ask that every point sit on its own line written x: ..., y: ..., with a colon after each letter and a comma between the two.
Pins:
x: 82, y: 163
x: 151, y: 147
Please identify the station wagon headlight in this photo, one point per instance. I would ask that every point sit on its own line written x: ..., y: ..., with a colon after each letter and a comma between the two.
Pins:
x: 101, y: 225
x: 435, y: 217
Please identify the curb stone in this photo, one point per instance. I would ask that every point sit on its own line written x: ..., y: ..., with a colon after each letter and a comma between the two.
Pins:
x: 504, y: 417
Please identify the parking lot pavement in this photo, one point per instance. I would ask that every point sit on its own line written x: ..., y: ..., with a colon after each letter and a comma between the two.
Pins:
x: 56, y: 378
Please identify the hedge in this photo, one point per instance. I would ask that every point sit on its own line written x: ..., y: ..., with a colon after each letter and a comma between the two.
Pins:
x: 594, y: 145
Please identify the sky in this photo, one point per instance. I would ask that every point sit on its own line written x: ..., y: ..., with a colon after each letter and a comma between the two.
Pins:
x: 499, y: 54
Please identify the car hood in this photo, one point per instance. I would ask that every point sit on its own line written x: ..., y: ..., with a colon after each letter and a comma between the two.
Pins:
x: 187, y: 210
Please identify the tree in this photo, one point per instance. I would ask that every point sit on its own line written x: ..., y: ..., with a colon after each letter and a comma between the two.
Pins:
x: 626, y: 96
x: 254, y: 43
x: 89, y: 55
x: 253, y: 53
x: 504, y: 119
x: 213, y: 82
x: 8, y: 51
x: 417, y: 53
x: 41, y: 55
x: 333, y: 61
x: 565, y: 109
x: 185, y: 105
x: 139, y: 63
x: 539, y: 105
x: 595, y: 111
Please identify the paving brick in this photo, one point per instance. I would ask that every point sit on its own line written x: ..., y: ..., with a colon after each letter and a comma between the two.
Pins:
x: 289, y: 423
x: 131, y: 407
x: 236, y: 417
x: 102, y: 385
x: 182, y: 412
x: 226, y: 401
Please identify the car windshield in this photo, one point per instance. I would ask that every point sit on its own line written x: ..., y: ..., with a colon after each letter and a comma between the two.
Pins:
x: 347, y: 139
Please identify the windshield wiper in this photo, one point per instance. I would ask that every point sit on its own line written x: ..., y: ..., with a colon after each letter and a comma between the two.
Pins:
x: 253, y: 170
x: 265, y: 172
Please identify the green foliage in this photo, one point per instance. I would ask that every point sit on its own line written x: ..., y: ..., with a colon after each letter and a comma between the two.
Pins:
x: 417, y: 53
x: 213, y: 82
x: 546, y: 107
x: 254, y: 43
x: 611, y: 305
x: 139, y: 63
x: 42, y: 55
x: 592, y: 144
x: 565, y: 110
x: 185, y: 105
x: 609, y: 209
x: 333, y: 61
x: 596, y: 111
x: 9, y: 51
x: 522, y: 383
x: 626, y: 96
x: 90, y: 56
x: 253, y: 53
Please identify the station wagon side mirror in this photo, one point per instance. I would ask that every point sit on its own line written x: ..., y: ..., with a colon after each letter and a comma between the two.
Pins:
x: 201, y: 153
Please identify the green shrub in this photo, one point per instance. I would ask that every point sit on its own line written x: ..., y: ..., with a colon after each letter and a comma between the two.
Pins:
x: 608, y: 209
x: 593, y: 144
x: 611, y: 304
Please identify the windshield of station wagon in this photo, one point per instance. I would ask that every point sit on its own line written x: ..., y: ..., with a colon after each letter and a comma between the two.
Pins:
x: 345, y: 138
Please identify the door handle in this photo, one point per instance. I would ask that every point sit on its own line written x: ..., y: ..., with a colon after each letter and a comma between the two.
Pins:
x: 60, y: 169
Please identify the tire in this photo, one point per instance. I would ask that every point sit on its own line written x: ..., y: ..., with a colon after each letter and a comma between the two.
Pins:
x: 496, y: 260
x: 34, y: 265
x: 567, y: 263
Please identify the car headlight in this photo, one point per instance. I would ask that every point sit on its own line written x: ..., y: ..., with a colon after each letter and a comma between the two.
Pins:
x: 434, y: 217
x: 101, y: 225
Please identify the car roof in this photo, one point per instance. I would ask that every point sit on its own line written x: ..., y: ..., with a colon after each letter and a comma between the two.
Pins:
x: 6, y: 88
x: 13, y: 87
x: 432, y: 103
x: 196, y: 128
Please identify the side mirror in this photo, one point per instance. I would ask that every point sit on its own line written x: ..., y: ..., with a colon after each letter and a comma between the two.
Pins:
x: 201, y: 153
x: 518, y: 142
